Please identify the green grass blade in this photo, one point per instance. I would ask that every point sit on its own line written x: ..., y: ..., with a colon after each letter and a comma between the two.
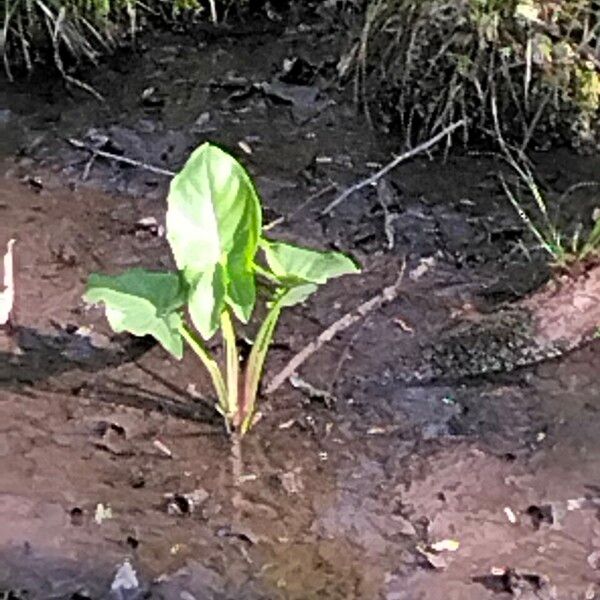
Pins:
x: 546, y: 244
x: 592, y: 243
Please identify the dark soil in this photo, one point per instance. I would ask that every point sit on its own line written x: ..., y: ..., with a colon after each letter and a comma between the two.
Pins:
x: 340, y: 500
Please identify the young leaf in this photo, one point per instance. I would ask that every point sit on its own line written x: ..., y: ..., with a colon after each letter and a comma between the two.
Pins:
x: 295, y: 265
x: 142, y: 303
x: 207, y: 300
x: 214, y: 218
x: 241, y: 288
x: 297, y: 294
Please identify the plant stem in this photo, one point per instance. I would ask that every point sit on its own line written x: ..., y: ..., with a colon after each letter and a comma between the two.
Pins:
x: 209, y: 362
x: 236, y: 458
x: 237, y: 467
x: 233, y: 364
x: 256, y: 361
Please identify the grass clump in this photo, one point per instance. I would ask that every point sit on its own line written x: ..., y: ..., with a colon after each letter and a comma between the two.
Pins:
x: 422, y: 64
x: 566, y: 247
x: 68, y: 32
x: 35, y: 30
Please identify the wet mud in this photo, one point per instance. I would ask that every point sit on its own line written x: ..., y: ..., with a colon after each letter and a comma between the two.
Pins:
x: 456, y: 487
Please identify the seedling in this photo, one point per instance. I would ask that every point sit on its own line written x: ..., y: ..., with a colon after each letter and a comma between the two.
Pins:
x: 214, y: 228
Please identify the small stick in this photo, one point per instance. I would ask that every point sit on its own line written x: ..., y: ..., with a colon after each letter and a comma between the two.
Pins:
x: 7, y: 303
x: 312, y: 392
x: 213, y: 12
x: 7, y: 297
x: 88, y: 167
x: 346, y: 355
x: 311, y: 198
x: 392, y: 165
x: 122, y: 159
x: 58, y: 24
x: 385, y: 198
x: 386, y: 296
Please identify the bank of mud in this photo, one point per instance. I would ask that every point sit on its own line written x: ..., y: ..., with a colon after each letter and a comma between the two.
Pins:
x: 344, y: 499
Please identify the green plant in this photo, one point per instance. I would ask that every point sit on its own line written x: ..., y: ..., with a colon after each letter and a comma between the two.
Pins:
x: 563, y: 247
x: 214, y: 228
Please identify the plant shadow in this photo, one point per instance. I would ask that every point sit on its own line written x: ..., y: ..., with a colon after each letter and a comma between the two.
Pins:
x: 37, y: 357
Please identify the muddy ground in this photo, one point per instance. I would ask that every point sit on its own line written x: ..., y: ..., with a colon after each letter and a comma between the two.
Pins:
x: 345, y: 499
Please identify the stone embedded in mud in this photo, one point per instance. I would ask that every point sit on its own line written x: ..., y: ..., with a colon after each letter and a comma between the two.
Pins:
x: 291, y: 482
x: 594, y: 560
x: 186, y: 503
x: 125, y: 580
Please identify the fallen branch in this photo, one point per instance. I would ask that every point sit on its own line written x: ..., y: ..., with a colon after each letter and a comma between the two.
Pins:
x: 392, y: 165
x: 122, y: 159
x: 385, y: 297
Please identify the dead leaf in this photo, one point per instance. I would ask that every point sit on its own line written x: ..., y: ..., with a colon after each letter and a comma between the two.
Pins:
x: 446, y: 546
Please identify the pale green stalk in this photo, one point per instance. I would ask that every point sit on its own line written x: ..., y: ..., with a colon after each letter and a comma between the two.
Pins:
x: 233, y: 364
x: 255, y: 364
x: 209, y: 362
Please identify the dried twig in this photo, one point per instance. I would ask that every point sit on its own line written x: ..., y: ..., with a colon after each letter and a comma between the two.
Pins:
x: 55, y: 34
x: 213, y: 12
x: 577, y: 186
x: 385, y: 196
x: 312, y: 392
x: 392, y: 165
x: 311, y: 198
x: 122, y: 159
x: 386, y: 296
x: 346, y: 354
x: 7, y: 296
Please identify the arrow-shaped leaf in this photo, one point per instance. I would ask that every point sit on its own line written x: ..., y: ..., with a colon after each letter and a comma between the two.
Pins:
x: 294, y: 265
x: 142, y: 303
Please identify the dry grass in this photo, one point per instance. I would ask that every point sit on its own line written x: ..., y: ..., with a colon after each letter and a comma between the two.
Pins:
x: 31, y: 28
x: 74, y: 31
x: 421, y: 64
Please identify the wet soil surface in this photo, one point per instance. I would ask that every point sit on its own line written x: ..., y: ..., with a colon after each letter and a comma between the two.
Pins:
x: 459, y: 488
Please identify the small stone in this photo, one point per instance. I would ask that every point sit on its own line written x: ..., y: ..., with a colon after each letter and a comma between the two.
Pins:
x: 291, y: 482
x: 594, y: 560
x: 125, y: 578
